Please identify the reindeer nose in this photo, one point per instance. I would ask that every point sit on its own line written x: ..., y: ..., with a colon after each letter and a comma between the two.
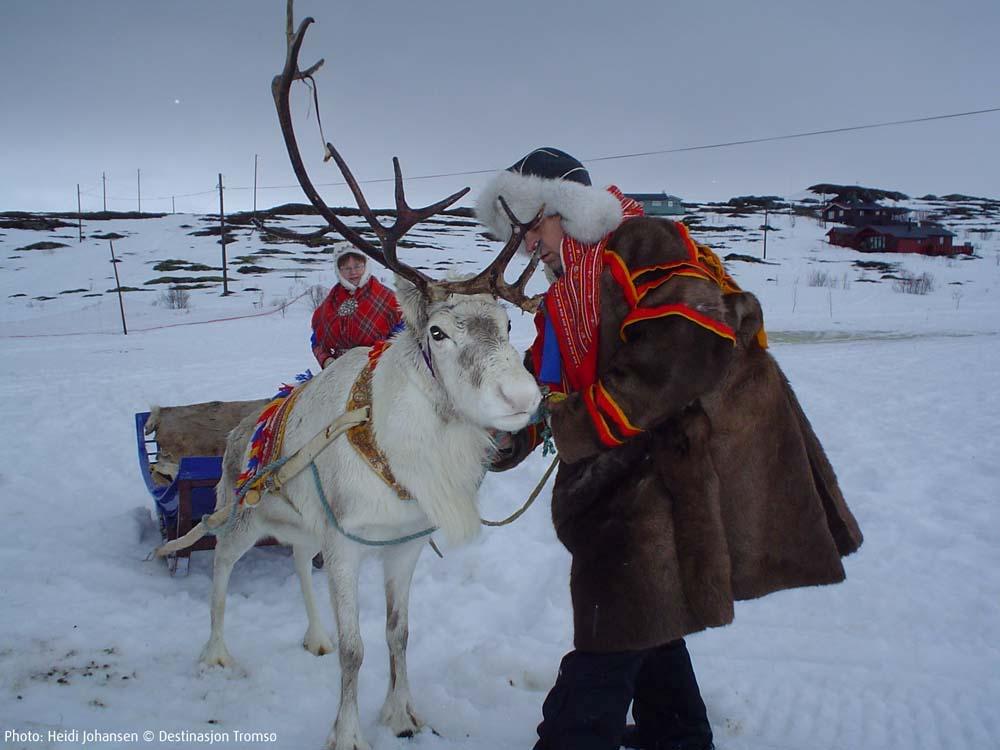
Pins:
x: 520, y: 398
x: 508, y: 399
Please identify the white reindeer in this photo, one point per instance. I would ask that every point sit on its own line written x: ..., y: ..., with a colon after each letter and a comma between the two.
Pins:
x: 446, y: 380
x: 433, y: 427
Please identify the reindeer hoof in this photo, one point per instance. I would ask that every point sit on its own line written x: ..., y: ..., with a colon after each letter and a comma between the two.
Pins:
x: 401, y: 719
x: 216, y: 655
x: 409, y: 734
x: 317, y: 643
x: 226, y: 662
x: 318, y: 646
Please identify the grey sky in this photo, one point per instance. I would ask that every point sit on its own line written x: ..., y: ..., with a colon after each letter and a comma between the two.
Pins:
x: 181, y: 90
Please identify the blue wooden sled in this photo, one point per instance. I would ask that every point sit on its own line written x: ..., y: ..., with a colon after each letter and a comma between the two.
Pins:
x: 180, y: 504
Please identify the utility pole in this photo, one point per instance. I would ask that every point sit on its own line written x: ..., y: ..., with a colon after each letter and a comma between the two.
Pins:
x: 255, y: 186
x: 138, y: 187
x: 222, y: 239
x: 79, y: 212
x: 173, y: 206
x: 104, y: 184
x: 766, y: 227
x: 118, y: 286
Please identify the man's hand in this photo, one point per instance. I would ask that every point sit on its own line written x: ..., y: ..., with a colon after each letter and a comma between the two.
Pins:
x: 502, y: 440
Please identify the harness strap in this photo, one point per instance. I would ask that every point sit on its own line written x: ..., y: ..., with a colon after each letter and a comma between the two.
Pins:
x: 362, y: 436
x: 307, y: 453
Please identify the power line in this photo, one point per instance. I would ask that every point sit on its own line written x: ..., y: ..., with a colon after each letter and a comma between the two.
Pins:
x: 658, y: 152
x: 796, y: 135
x: 681, y: 149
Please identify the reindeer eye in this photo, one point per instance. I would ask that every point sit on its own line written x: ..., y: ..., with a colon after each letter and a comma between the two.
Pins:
x: 437, y: 334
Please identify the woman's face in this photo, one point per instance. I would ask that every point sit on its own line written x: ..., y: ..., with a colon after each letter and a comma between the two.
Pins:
x: 353, y: 268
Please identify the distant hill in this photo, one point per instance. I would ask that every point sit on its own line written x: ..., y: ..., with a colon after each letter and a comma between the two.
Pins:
x: 857, y: 192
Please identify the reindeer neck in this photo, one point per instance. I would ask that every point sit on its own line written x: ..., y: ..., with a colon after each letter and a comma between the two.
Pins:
x: 405, y: 366
x: 412, y: 407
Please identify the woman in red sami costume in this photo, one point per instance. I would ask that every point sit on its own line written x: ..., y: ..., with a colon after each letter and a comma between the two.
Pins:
x: 358, y: 311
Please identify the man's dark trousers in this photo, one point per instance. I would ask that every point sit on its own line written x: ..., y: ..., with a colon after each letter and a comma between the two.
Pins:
x: 586, y: 708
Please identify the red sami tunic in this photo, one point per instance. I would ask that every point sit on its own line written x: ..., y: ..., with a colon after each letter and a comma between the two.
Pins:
x: 347, y: 319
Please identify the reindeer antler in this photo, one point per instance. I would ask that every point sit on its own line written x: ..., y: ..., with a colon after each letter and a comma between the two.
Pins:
x: 489, y: 281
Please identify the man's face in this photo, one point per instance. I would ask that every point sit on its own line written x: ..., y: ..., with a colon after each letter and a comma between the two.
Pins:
x: 353, y: 268
x: 547, y: 237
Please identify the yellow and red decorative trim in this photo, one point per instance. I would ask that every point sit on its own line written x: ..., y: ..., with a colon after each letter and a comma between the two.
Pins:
x: 604, y: 433
x: 610, y: 407
x: 649, y: 313
x: 689, y: 244
x: 662, y: 267
x: 620, y: 273
x: 684, y: 269
x: 376, y: 352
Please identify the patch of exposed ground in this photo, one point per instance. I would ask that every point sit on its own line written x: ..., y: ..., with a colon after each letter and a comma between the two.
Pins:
x: 41, y: 246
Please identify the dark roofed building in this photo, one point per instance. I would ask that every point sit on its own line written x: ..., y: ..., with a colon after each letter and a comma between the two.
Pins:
x: 658, y: 204
x: 859, y: 213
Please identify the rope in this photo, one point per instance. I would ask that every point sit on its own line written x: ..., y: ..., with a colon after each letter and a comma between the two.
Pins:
x: 531, y: 498
x: 161, y: 327
x: 353, y: 537
x: 311, y: 83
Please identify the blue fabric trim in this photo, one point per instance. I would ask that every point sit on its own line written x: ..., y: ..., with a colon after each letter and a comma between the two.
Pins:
x: 400, y: 326
x: 551, y: 359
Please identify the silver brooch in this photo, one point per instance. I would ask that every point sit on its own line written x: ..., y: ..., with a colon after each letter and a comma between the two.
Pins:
x: 348, y: 307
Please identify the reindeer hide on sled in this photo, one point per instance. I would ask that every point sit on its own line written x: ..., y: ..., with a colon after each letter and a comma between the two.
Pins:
x: 194, y: 430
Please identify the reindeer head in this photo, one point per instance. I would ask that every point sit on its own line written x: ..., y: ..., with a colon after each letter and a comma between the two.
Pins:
x: 465, y: 342
x: 460, y: 327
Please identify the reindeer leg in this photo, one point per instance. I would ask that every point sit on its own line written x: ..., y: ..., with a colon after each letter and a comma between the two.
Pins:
x: 315, y: 640
x: 228, y: 549
x: 342, y: 562
x: 398, y: 564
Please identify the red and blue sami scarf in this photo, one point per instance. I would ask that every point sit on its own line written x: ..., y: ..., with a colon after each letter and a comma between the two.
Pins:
x: 565, y: 351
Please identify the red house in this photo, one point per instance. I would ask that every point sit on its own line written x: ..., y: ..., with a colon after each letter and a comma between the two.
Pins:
x: 926, y: 239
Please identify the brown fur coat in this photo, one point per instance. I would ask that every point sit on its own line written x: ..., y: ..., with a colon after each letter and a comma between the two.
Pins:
x: 727, y: 494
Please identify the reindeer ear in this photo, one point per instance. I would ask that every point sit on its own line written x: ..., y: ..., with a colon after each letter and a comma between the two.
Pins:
x: 413, y: 304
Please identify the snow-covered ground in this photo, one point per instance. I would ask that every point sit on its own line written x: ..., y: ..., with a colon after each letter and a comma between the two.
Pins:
x: 901, y: 388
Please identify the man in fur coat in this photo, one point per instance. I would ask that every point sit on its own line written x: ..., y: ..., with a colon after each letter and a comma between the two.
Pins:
x: 689, y: 476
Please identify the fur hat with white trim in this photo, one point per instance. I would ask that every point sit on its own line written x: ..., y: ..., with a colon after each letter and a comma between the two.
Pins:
x: 340, y: 251
x: 554, y: 178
